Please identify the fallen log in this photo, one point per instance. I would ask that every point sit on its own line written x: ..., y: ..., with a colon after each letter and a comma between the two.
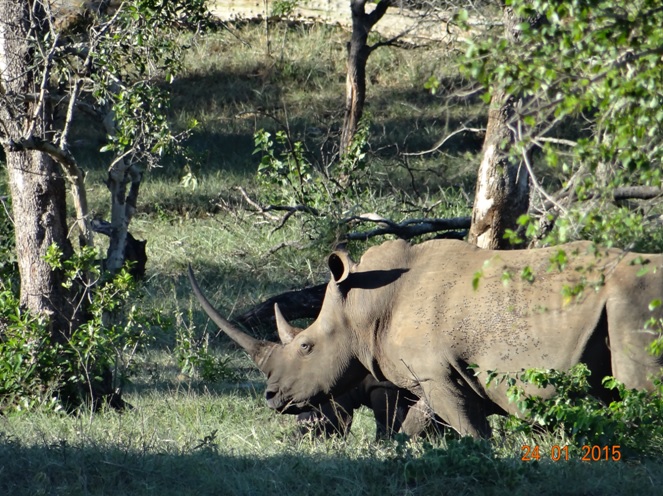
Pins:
x: 298, y: 304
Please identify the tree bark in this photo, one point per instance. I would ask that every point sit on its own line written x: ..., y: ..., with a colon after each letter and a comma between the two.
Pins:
x: 37, y: 188
x: 358, y: 53
x: 502, y: 190
x: 39, y: 207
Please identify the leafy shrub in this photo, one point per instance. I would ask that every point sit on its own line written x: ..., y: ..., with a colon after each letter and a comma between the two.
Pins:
x: 40, y: 370
x: 195, y: 357
x: 329, y: 194
x: 288, y: 175
x: 29, y: 371
x: 634, y: 421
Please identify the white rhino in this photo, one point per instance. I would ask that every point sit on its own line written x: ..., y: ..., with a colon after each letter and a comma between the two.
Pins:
x: 420, y: 315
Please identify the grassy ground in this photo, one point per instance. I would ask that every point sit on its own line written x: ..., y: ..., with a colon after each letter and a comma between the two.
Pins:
x: 192, y: 439
x: 188, y: 434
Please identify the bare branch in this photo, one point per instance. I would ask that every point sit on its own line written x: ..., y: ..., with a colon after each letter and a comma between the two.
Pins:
x: 616, y: 195
x: 48, y: 63
x: 533, y: 180
x: 378, y: 13
x: 259, y: 208
x: 290, y: 210
x: 636, y: 193
x: 555, y: 141
x: 442, y: 141
x: 416, y: 227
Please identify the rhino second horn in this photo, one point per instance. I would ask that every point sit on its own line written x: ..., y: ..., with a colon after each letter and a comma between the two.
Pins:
x: 286, y: 332
x: 257, y: 349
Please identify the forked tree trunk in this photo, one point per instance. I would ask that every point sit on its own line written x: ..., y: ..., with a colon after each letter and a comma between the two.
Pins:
x: 502, y: 190
x: 358, y: 53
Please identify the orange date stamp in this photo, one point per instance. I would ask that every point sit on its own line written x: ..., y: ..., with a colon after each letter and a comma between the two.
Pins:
x: 589, y: 453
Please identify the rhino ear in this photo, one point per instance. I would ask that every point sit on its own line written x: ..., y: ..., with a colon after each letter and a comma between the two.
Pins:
x: 286, y: 332
x: 340, y: 265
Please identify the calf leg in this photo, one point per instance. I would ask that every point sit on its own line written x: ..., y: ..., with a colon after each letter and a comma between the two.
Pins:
x: 331, y: 418
x: 420, y: 419
x: 390, y: 408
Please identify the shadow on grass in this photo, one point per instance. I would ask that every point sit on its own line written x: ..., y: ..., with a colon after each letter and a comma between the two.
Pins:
x: 464, y: 467
x: 234, y: 103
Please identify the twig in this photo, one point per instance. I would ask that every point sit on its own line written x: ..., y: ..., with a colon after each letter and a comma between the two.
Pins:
x: 3, y: 200
x: 285, y: 244
x: 441, y: 142
x: 289, y: 209
x: 255, y: 205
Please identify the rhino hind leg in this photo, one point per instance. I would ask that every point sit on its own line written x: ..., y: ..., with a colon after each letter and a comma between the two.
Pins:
x: 631, y: 361
x: 459, y: 406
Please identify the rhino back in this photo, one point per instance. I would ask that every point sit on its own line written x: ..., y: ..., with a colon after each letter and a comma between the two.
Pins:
x: 453, y: 304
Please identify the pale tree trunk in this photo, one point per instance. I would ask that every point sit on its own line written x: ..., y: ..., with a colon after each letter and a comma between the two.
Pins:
x: 37, y: 187
x: 123, y: 205
x: 502, y: 190
x: 358, y: 53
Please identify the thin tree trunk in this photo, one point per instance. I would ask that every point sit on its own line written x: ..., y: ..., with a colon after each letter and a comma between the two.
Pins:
x: 502, y: 190
x: 123, y: 204
x: 358, y: 53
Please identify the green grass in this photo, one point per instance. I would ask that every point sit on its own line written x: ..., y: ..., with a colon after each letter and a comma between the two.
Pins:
x: 186, y: 439
x: 188, y: 435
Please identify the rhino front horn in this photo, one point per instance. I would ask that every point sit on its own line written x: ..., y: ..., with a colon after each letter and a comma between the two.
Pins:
x: 257, y: 349
x: 286, y: 332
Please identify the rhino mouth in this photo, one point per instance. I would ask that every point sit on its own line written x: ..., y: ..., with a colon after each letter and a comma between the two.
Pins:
x: 277, y: 401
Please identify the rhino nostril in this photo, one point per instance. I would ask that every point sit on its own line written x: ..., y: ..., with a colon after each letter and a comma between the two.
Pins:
x: 269, y: 395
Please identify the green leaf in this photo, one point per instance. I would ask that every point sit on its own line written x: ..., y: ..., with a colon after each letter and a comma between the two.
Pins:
x: 476, y: 278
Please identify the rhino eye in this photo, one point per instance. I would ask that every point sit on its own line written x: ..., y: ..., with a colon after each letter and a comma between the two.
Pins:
x: 305, y: 348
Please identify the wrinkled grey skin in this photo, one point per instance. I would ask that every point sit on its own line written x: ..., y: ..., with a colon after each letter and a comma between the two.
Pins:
x: 410, y: 315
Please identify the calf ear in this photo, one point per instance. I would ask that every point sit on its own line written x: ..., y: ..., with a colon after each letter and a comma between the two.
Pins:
x: 340, y: 265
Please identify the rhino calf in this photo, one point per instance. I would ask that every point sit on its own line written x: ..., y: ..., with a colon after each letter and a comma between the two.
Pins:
x: 395, y: 410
